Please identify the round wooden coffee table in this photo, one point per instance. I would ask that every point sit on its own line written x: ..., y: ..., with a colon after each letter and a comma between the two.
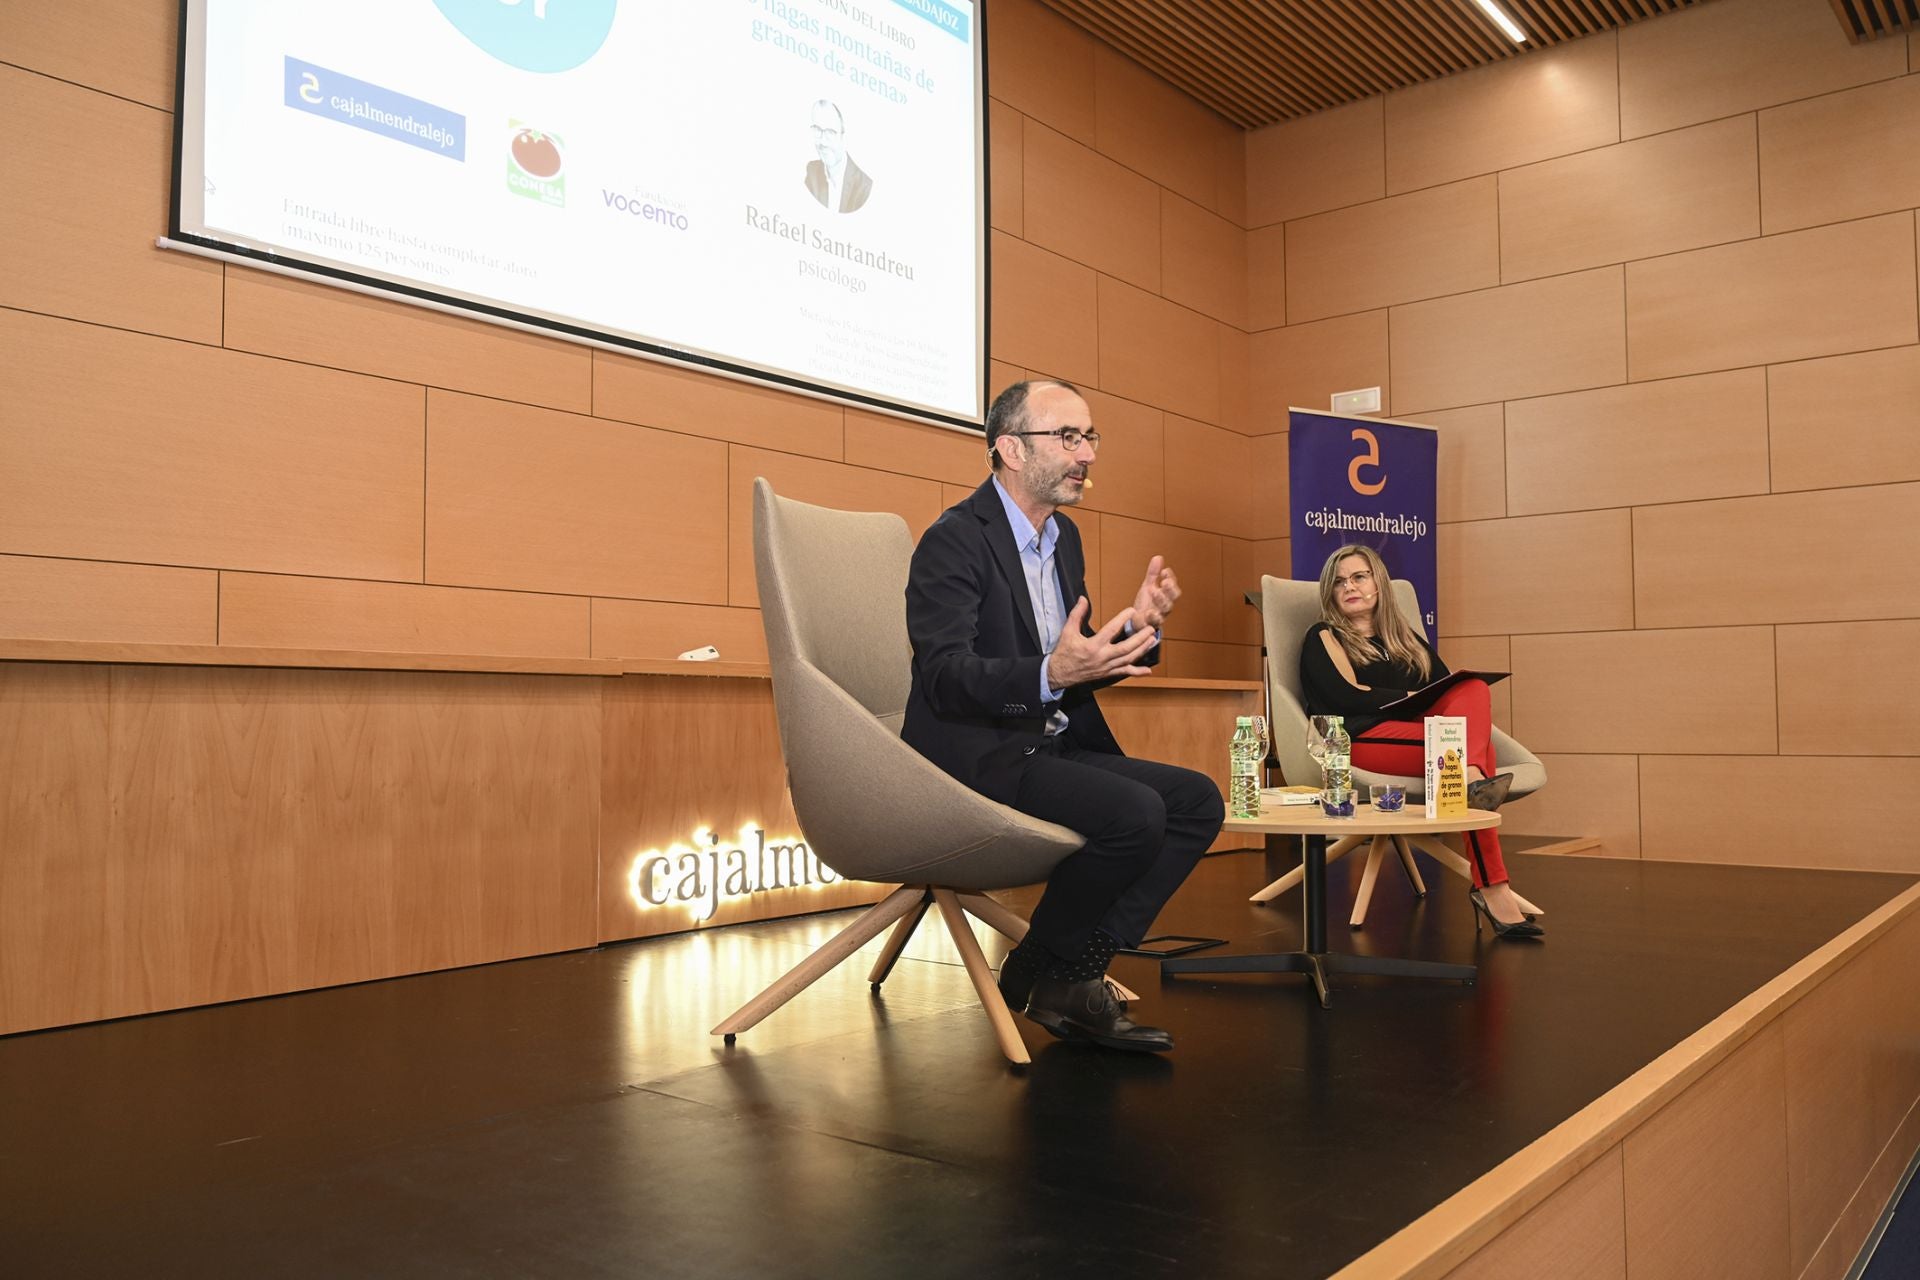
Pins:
x: 1314, y: 828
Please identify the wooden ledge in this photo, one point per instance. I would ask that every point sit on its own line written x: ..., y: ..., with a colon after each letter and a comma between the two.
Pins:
x: 217, y: 655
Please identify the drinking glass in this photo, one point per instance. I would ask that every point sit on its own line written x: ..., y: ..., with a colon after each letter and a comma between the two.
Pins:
x: 1317, y: 729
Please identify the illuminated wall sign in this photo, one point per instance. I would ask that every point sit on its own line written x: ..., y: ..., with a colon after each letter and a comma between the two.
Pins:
x: 701, y: 876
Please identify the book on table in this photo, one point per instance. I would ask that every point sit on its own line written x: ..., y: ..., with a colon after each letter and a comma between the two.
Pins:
x: 1446, y: 744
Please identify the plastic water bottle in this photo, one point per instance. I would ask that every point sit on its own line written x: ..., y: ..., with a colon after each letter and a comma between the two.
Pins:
x: 1243, y: 799
x: 1337, y: 768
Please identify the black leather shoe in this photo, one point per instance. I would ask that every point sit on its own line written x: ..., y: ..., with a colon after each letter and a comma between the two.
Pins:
x: 1521, y: 930
x: 1488, y: 794
x: 1014, y: 989
x: 1088, y: 1011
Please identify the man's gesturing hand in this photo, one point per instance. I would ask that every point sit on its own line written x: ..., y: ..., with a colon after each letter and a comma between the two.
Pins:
x: 1157, y: 594
x: 1079, y: 659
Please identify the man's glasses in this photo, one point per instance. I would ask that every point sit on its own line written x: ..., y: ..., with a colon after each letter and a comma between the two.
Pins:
x: 1360, y: 579
x: 1070, y: 438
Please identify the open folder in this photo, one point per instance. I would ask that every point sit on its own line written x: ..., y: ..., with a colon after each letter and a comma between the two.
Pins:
x: 1426, y: 695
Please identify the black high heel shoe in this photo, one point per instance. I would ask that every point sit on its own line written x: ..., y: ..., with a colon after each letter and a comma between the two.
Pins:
x: 1488, y: 794
x: 1518, y: 929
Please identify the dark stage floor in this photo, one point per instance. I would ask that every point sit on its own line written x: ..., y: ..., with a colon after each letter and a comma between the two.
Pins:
x: 568, y: 1116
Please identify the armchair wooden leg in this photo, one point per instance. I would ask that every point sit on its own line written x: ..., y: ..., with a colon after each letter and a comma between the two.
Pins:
x: 1010, y: 924
x: 1376, y: 852
x: 1528, y: 907
x: 816, y: 966
x: 1411, y: 867
x: 983, y: 981
x: 1446, y: 857
x: 898, y: 942
x: 1345, y: 844
x: 994, y: 916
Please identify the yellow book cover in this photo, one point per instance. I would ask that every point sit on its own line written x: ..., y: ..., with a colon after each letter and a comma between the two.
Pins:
x: 1446, y: 766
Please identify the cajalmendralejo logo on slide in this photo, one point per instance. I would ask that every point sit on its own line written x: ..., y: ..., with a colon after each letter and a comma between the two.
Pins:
x: 536, y: 164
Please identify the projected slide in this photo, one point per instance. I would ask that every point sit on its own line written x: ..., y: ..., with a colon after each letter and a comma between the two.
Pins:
x: 790, y: 188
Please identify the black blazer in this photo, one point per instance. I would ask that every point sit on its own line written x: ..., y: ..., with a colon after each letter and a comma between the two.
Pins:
x: 974, y: 707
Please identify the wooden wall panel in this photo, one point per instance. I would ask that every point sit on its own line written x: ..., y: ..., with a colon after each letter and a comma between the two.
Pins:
x: 1806, y: 293
x: 1326, y: 160
x: 1243, y: 563
x: 1577, y: 1233
x: 1762, y: 52
x: 1209, y: 477
x: 1230, y: 175
x: 1845, y: 420
x: 1126, y: 548
x: 1155, y: 129
x: 1650, y: 442
x: 1044, y: 311
x: 1552, y: 102
x: 1197, y: 660
x: 1042, y: 66
x: 1305, y: 364
x: 535, y: 500
x: 1130, y: 472
x: 1579, y: 574
x: 684, y: 754
x: 1847, y: 155
x: 280, y: 830
x: 1703, y: 808
x: 1158, y: 352
x: 1442, y: 240
x: 703, y: 404
x: 1272, y: 474
x: 1782, y: 558
x: 1006, y: 163
x: 89, y: 198
x: 1706, y: 1178
x: 1680, y: 190
x: 1267, y: 277
x: 1835, y: 681
x: 117, y: 446
x: 1646, y: 691
x: 1083, y: 206
x: 58, y: 941
x: 652, y: 629
x: 44, y: 599
x: 825, y: 484
x: 1203, y: 259
x: 1236, y: 404
x: 1585, y: 795
x: 1472, y: 478
x: 880, y: 442
x: 122, y: 47
x: 274, y: 612
x: 1831, y: 1140
x: 318, y: 324
x: 1560, y: 334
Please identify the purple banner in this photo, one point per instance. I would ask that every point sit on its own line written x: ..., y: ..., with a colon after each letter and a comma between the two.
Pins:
x: 1369, y: 481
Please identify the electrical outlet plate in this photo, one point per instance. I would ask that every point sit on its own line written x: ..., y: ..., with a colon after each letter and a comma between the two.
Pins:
x: 1366, y: 400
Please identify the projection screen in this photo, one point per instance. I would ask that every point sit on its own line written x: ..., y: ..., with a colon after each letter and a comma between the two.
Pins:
x: 792, y: 191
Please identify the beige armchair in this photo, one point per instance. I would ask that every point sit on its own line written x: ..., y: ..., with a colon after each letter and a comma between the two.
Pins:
x: 1287, y: 608
x: 833, y: 602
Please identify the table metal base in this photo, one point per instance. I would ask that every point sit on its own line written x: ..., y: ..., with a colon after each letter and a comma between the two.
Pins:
x: 1316, y: 961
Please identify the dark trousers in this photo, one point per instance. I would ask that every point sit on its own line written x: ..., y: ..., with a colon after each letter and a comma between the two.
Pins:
x: 1146, y: 826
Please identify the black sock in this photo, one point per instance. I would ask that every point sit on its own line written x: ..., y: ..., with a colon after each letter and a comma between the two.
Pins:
x: 1091, y: 963
x: 1021, y: 969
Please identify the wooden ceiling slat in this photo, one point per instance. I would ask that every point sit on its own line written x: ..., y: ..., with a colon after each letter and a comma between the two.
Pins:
x: 1256, y: 62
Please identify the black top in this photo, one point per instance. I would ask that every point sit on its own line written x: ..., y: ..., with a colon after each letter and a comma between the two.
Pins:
x: 1327, y: 693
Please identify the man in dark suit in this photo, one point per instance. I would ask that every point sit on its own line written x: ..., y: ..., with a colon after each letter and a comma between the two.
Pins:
x: 833, y: 178
x: 1005, y: 665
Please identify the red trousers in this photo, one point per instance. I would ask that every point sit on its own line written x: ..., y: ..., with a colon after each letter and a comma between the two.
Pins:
x: 1399, y: 747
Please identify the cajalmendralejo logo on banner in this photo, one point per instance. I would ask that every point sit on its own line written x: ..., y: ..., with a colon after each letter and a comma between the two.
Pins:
x: 1365, y: 480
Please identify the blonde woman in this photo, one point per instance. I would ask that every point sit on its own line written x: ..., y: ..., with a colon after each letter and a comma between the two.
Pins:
x: 1363, y: 654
